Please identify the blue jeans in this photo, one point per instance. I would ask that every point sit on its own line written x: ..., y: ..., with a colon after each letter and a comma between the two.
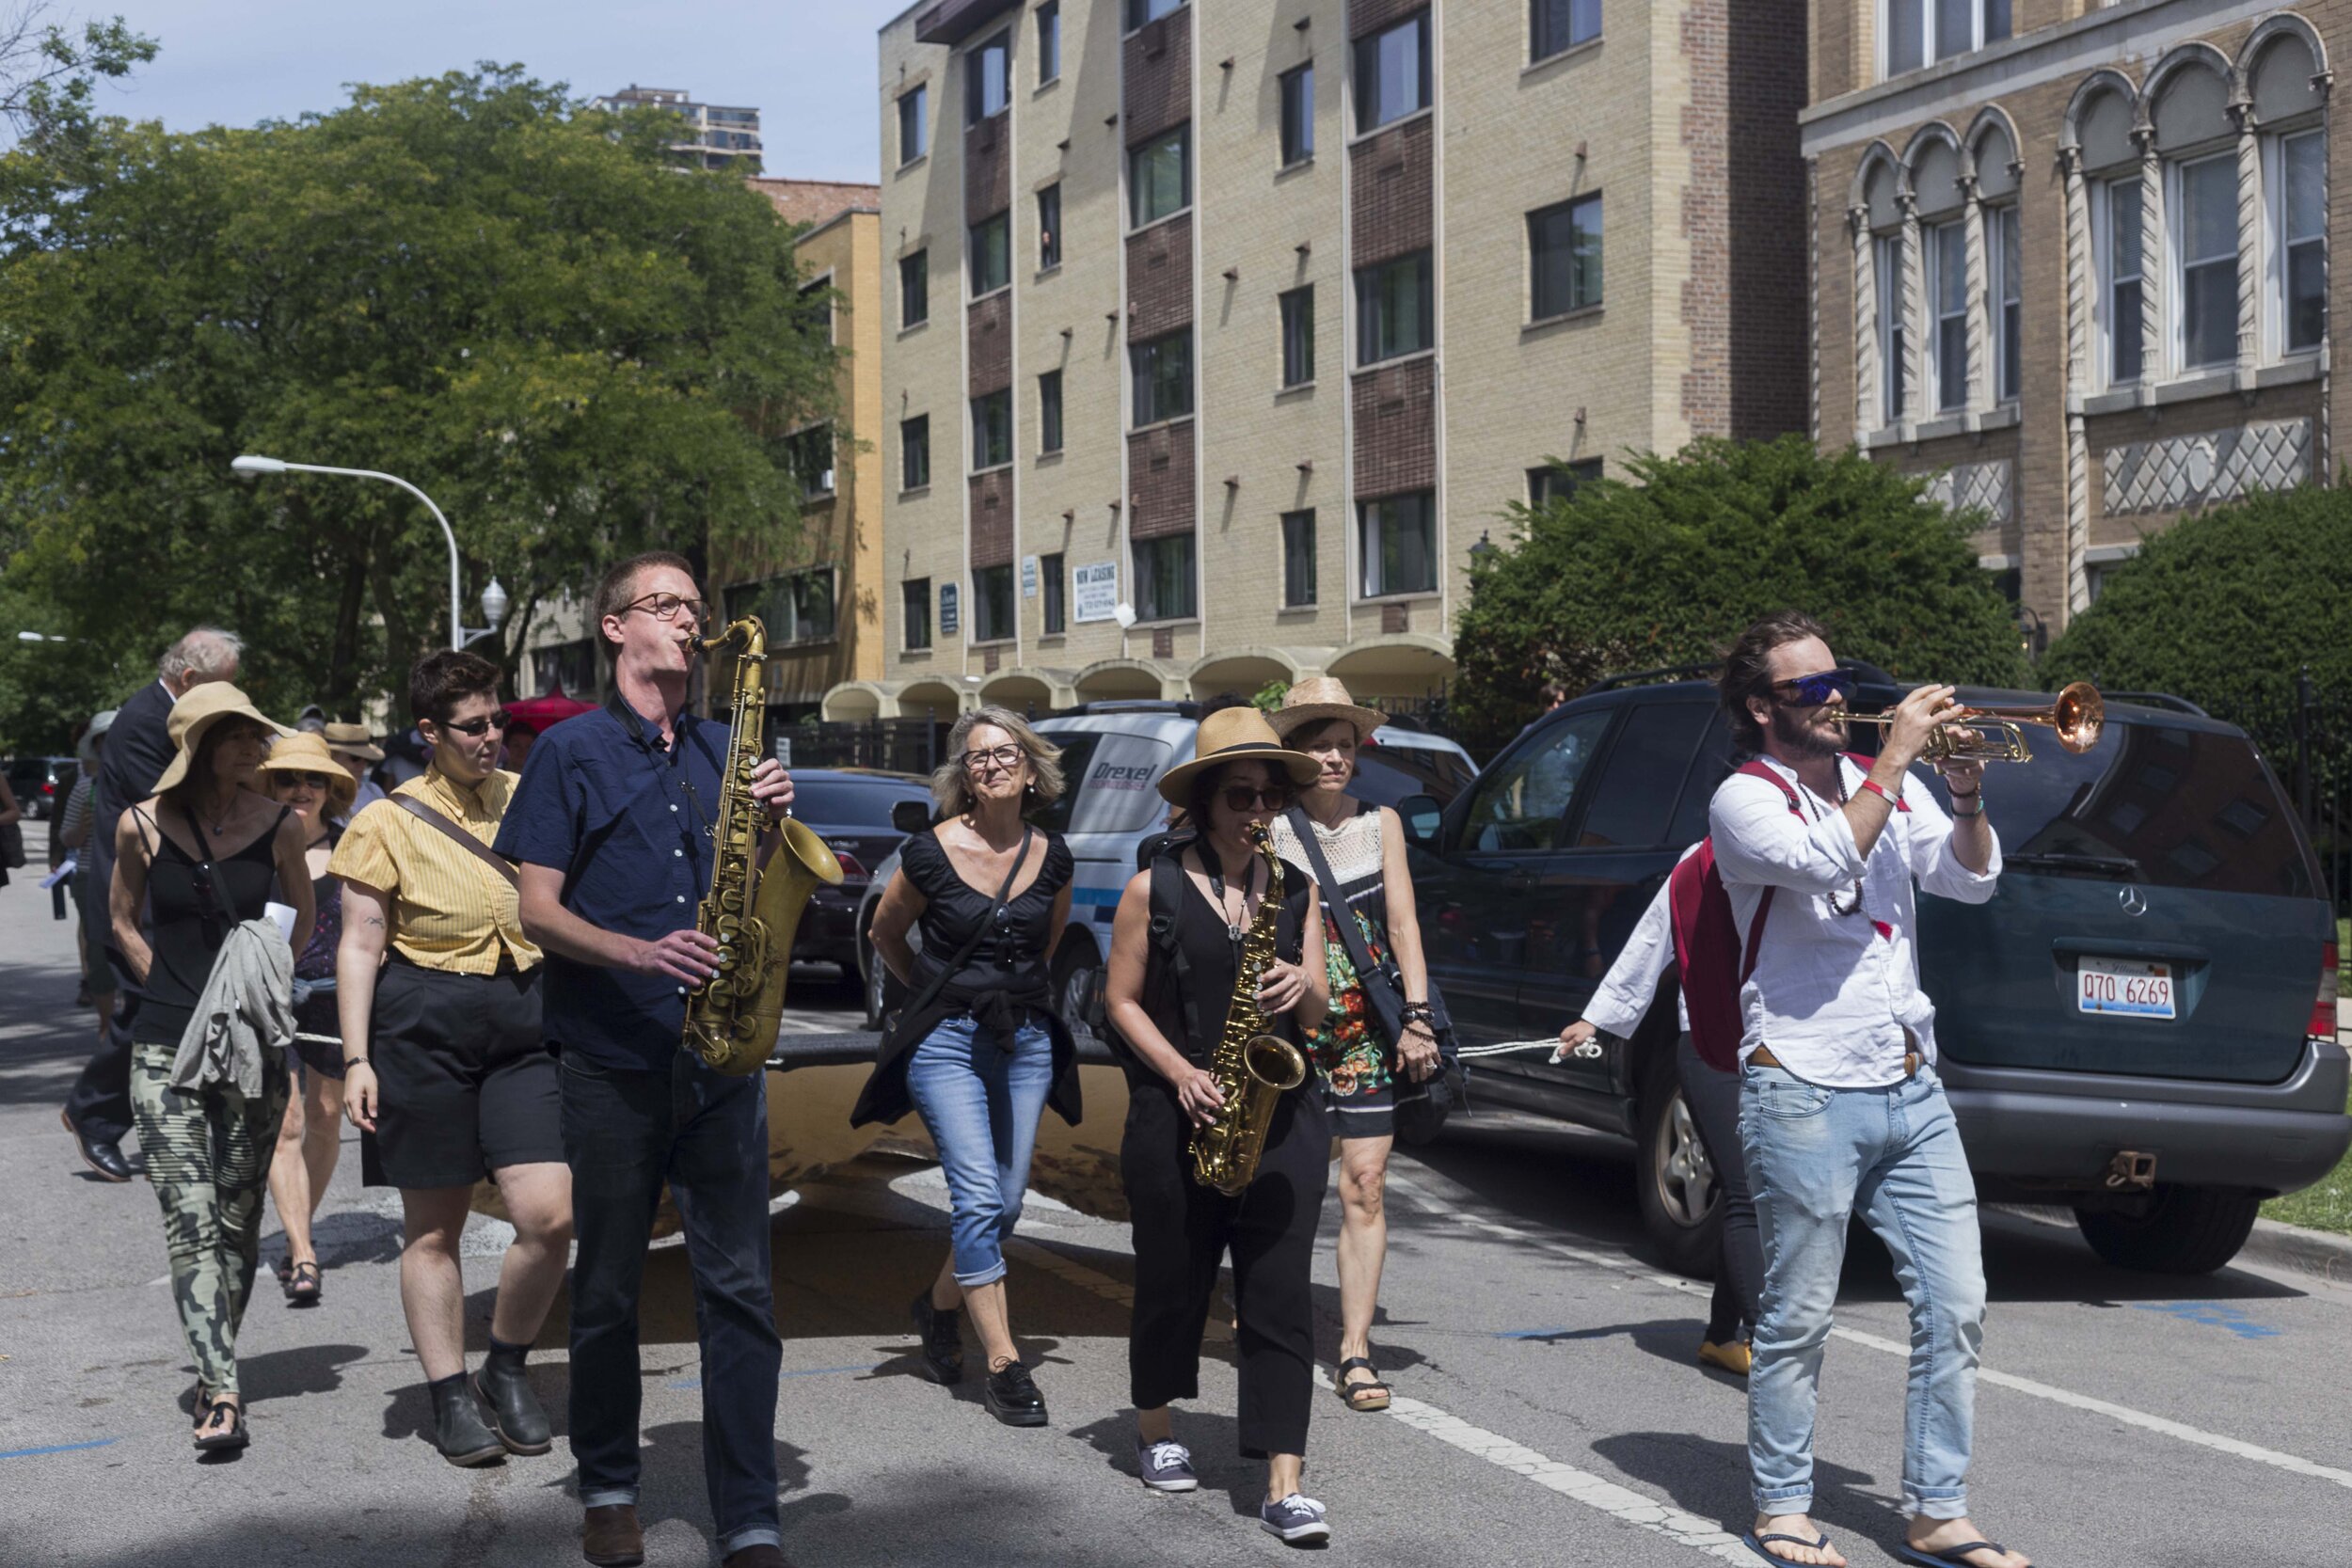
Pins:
x: 982, y: 1104
x: 1817, y: 1157
x: 625, y: 1134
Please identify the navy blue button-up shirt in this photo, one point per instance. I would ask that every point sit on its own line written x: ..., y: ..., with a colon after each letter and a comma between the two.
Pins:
x: 628, y: 823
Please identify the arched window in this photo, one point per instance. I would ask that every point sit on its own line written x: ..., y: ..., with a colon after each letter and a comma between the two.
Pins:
x: 2286, y: 106
x: 2197, y: 144
x: 2115, y: 190
x: 1996, y: 160
x: 1943, y: 264
x: 1888, y: 348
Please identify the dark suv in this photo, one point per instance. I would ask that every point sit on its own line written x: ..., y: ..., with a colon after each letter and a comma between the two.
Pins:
x: 2162, y: 1113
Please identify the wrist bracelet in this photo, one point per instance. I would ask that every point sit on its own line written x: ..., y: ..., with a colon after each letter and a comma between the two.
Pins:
x: 350, y: 1062
x: 1977, y: 810
x: 1879, y: 790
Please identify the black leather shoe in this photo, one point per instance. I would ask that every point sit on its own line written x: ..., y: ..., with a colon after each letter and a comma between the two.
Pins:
x: 515, y: 1412
x: 1013, y: 1397
x: 99, y: 1154
x: 942, y: 1344
x: 458, y: 1429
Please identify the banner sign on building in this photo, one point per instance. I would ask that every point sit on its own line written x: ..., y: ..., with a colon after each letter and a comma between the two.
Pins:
x: 946, y: 609
x: 1094, y: 590
x: 1029, y: 576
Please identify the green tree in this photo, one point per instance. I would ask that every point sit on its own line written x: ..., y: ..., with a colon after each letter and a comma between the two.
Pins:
x: 514, y: 302
x: 48, y: 72
x: 1667, y: 568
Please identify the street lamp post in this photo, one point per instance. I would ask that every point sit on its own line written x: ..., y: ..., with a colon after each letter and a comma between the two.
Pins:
x: 493, y: 597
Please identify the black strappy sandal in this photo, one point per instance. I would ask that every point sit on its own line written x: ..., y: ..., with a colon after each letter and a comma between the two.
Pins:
x: 233, y: 1436
x: 303, y: 1286
x: 1371, y: 1395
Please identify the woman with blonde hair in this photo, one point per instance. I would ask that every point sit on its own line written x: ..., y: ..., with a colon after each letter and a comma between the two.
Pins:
x: 978, y: 1052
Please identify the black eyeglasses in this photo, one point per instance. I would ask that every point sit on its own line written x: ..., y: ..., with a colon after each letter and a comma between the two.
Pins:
x: 473, y: 729
x: 308, y: 781
x: 1247, y: 798
x: 665, y: 606
x: 1006, y: 756
x: 1813, y: 691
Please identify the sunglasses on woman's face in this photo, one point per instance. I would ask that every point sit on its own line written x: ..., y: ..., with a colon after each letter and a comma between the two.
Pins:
x: 1252, y: 797
x: 473, y: 729
x: 316, y: 782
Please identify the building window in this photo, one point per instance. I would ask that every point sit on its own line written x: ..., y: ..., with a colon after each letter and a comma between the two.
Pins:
x: 914, y: 288
x: 1049, y: 227
x: 991, y: 430
x: 2004, y: 295
x: 811, y: 454
x: 1298, y: 335
x: 1049, y: 412
x: 991, y: 604
x: 2115, y: 213
x: 1918, y: 33
x: 815, y: 303
x: 1559, y: 481
x: 1398, y: 542
x: 1894, y: 365
x: 915, y: 452
x: 1394, y: 309
x: 1563, y: 250
x: 913, y: 127
x: 992, y: 254
x: 1159, y: 176
x: 1945, y: 254
x: 915, y: 600
x: 1393, y: 73
x: 1555, y: 25
x: 1298, y: 115
x: 1164, y: 586
x: 1048, y: 42
x: 1056, y: 605
x: 796, y: 606
x: 2207, y: 242
x: 2298, y: 220
x: 1298, y: 559
x: 984, y: 79
x: 1141, y: 11
x: 1163, y: 378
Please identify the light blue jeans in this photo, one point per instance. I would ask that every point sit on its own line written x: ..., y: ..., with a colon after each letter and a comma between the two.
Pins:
x: 982, y: 1104
x: 1817, y: 1157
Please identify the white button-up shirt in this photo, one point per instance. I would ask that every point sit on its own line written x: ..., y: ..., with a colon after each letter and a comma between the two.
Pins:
x: 1623, y: 998
x: 1831, y: 993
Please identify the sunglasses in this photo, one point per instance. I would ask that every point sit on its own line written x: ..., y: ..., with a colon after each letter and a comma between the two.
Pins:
x: 473, y: 729
x: 306, y: 781
x: 665, y: 606
x: 1247, y: 798
x: 1007, y: 756
x: 1813, y: 691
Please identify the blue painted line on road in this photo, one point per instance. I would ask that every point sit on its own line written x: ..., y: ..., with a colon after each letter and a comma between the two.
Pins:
x: 62, y: 1448
x: 2213, y: 1314
x: 1529, y: 1333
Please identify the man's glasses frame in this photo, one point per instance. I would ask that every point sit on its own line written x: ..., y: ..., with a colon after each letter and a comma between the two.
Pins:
x: 1814, y: 689
x: 664, y: 606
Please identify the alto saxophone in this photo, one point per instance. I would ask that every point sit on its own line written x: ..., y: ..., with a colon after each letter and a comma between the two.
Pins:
x: 1253, y: 1069
x: 731, y: 1018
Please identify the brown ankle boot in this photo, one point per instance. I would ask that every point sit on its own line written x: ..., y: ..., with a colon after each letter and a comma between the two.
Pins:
x: 611, y: 1538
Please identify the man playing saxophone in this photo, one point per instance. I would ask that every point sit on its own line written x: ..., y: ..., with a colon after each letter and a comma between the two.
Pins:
x: 613, y: 828
x: 1190, y: 932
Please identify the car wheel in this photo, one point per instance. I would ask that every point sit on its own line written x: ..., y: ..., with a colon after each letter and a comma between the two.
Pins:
x: 2176, y: 1231
x: 1077, y: 979
x: 1681, y: 1198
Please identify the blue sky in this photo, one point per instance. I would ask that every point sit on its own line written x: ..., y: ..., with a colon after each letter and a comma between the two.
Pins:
x: 808, y: 65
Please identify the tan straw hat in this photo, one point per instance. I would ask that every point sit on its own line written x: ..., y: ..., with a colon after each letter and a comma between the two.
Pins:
x: 1320, y: 697
x: 352, y: 740
x: 306, y: 752
x: 1236, y: 735
x: 193, y: 717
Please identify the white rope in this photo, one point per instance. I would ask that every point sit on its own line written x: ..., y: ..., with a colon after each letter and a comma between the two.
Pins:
x: 1590, y: 1048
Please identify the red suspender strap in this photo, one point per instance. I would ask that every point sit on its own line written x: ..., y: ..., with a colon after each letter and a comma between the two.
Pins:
x: 1756, y: 769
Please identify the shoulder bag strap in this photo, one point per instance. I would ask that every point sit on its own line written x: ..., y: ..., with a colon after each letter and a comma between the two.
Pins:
x: 928, y: 994
x: 456, y: 835
x: 1334, y: 901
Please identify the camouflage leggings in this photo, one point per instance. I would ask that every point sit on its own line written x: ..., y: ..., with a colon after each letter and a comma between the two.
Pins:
x: 208, y: 1153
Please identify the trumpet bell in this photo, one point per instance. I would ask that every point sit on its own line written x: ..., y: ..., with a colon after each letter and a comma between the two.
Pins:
x: 2079, y: 716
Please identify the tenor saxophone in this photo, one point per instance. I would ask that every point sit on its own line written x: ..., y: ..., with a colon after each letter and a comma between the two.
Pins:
x: 731, y: 1018
x: 1253, y: 1069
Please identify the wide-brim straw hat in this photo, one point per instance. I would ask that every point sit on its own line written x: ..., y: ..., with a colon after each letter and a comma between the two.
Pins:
x: 1319, y: 698
x: 353, y: 740
x: 307, y: 753
x: 193, y: 718
x: 87, y: 749
x: 1236, y: 735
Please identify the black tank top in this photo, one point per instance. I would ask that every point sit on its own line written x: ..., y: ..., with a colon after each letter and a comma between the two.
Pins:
x: 194, y: 905
x: 1209, y: 968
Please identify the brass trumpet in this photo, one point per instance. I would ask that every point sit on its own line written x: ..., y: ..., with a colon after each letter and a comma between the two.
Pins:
x: 1992, y: 734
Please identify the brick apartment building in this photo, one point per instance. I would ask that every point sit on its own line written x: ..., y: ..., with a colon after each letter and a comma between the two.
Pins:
x: 1219, y: 334
x: 2073, y: 260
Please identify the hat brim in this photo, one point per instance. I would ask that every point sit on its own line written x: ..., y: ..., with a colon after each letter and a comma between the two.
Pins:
x: 353, y: 749
x: 342, y: 789
x: 1288, y: 722
x: 176, y: 772
x: 1176, y: 784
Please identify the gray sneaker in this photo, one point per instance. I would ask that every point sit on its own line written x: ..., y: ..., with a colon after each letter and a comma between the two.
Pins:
x: 1297, y: 1519
x: 1165, y: 1466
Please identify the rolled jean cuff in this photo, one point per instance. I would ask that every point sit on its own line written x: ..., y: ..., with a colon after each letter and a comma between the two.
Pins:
x: 1773, y: 1501
x: 988, y: 1275
x: 1936, y: 1503
x: 749, y: 1535
x: 608, y: 1497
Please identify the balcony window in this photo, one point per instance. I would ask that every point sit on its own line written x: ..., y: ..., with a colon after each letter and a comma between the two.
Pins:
x: 1393, y: 73
x: 1053, y: 583
x: 1298, y: 335
x: 1557, y: 26
x: 2299, y: 222
x: 2206, y: 237
x: 1945, y: 257
x: 811, y: 453
x: 1563, y: 258
x: 1048, y: 42
x: 1398, y: 543
x: 914, y: 288
x: 1916, y: 33
x: 1049, y: 412
x: 1298, y: 559
x: 914, y: 613
x: 1159, y: 176
x: 1164, y: 579
x: 914, y: 128
x: 915, y: 452
x: 992, y: 254
x: 991, y: 430
x: 984, y: 79
x: 1049, y: 227
x: 1395, y: 309
x: 1298, y: 115
x: 1163, y: 378
x: 991, y: 604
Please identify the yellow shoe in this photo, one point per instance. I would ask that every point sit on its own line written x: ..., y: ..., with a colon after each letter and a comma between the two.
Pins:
x: 1734, y: 1357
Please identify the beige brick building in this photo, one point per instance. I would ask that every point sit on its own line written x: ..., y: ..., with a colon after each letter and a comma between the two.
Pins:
x: 1219, y: 334
x: 2079, y: 273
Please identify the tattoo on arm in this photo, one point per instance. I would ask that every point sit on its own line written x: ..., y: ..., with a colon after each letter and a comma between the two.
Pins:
x: 375, y: 920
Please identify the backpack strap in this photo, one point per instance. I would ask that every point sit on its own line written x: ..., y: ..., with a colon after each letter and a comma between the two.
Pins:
x: 1755, y: 768
x: 1167, y: 891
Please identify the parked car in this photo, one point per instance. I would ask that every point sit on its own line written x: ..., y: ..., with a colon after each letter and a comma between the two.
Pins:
x: 41, y: 784
x: 1113, y: 756
x: 2167, y: 852
x: 850, y: 808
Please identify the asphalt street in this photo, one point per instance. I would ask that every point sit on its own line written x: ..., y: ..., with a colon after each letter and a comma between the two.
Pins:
x: 1549, y: 1410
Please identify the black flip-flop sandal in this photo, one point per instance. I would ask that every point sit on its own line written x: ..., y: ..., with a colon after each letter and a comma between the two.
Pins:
x: 1950, y: 1556
x: 1350, y: 1393
x: 1755, y: 1543
x: 303, y: 1286
x: 235, y: 1437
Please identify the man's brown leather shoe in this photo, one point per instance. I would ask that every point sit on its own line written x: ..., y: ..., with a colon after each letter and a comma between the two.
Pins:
x: 762, y: 1556
x: 611, y: 1538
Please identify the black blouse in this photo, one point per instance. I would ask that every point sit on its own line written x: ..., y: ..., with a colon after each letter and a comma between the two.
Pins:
x: 1190, y: 1013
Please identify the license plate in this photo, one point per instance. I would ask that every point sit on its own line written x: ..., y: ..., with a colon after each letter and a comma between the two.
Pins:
x: 2124, y: 986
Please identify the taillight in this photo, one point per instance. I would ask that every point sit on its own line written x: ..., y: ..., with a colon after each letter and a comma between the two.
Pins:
x: 853, y: 870
x: 2324, y: 1009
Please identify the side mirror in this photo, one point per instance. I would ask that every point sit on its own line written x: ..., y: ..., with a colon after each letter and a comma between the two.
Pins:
x: 912, y: 816
x: 1420, y: 815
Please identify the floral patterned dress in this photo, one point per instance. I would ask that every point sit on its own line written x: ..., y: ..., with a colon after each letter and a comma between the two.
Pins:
x: 1357, y: 1063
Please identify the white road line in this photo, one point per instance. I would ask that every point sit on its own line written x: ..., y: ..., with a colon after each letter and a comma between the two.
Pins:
x: 1617, y: 1264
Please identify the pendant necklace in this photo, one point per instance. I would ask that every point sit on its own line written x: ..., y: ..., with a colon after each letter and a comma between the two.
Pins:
x: 1235, y: 932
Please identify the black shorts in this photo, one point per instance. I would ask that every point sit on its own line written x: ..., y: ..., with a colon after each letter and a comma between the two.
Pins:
x: 464, y: 1084
x: 315, y: 1015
